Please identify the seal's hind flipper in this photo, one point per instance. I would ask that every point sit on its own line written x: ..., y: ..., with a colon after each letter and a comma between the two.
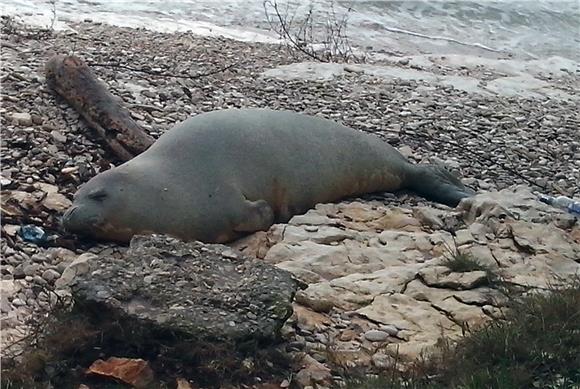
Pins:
x: 257, y: 216
x: 436, y: 183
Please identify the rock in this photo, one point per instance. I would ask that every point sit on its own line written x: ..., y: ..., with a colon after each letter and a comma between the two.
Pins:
x: 428, y: 217
x: 5, y: 306
x: 135, y: 372
x: 60, y: 254
x: 442, y: 277
x: 407, y: 152
x: 310, y: 320
x: 56, y: 202
x: 463, y: 237
x: 383, y: 361
x: 312, y: 217
x: 541, y: 239
x: 18, y: 272
x: 22, y: 199
x: 22, y: 118
x: 58, y: 137
x: 376, y: 336
x: 31, y: 269
x: 312, y: 373
x: 389, y: 329
x: 478, y: 296
x: 9, y: 288
x: 213, y: 302
x: 77, y: 268
x: 465, y: 315
x: 50, y: 275
x: 322, y: 305
x: 46, y: 188
x: 182, y: 383
x: 423, y: 322
x: 255, y: 245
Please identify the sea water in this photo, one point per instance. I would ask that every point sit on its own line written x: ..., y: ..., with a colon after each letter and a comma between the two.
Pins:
x: 529, y: 29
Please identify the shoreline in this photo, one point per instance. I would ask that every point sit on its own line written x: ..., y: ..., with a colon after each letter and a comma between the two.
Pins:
x: 504, y: 28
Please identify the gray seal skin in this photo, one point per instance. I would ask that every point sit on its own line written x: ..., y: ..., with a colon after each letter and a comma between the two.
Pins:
x: 223, y: 174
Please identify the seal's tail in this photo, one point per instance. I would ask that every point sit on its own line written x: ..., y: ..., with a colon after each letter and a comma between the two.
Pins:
x: 436, y: 183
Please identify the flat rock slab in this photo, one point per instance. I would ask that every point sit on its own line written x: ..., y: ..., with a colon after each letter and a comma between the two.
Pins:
x: 198, y: 290
x: 388, y: 265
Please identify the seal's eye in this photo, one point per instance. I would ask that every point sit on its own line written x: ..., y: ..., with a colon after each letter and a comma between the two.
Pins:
x: 98, y: 195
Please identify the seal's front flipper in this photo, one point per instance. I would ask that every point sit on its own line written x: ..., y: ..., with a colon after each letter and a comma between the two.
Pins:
x: 256, y: 216
x: 436, y: 183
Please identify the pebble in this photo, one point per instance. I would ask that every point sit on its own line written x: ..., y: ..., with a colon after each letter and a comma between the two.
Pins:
x: 103, y: 294
x: 297, y: 345
x: 50, y: 275
x: 389, y: 329
x: 5, y: 305
x: 57, y: 136
x: 376, y: 335
x: 39, y: 280
x: 31, y: 269
x: 22, y: 118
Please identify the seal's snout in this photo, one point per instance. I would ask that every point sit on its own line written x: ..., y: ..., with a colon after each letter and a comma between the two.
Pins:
x: 80, y: 219
x: 67, y: 220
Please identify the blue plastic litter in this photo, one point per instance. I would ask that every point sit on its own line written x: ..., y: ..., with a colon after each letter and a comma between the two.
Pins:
x: 33, y: 234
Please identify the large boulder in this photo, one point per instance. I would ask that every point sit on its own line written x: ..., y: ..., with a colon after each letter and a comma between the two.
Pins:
x: 163, y: 285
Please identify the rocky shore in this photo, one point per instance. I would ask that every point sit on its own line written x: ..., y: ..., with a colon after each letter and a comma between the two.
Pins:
x: 493, y: 141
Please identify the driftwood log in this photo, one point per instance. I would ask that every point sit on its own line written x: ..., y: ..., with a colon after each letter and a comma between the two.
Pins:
x: 71, y: 78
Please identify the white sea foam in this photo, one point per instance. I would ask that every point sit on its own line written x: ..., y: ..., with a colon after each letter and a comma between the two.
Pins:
x: 531, y: 29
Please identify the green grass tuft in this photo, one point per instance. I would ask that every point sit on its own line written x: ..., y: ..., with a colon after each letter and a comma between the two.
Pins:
x: 536, y: 346
x: 464, y: 262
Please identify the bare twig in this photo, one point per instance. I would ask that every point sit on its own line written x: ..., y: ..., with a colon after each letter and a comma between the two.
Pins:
x: 300, y: 34
x: 284, y: 30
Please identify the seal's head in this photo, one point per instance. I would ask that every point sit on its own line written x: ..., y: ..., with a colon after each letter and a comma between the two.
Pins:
x: 104, y: 207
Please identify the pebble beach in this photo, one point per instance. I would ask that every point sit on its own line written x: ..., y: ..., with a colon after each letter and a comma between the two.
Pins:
x: 492, y: 141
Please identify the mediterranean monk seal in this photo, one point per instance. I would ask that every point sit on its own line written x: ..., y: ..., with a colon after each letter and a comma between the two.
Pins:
x: 223, y: 174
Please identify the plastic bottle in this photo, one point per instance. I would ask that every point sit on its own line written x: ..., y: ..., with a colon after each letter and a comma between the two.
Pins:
x: 562, y: 202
